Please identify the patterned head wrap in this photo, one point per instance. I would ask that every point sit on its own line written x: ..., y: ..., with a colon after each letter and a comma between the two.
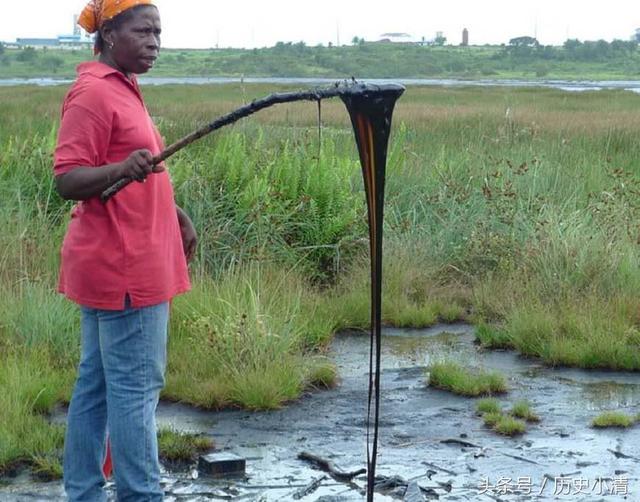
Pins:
x: 97, y: 12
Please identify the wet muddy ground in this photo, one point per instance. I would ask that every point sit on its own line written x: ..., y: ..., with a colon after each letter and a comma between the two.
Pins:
x: 428, y: 437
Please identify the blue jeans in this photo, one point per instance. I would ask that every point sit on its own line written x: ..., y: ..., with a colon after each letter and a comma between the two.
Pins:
x: 119, y: 380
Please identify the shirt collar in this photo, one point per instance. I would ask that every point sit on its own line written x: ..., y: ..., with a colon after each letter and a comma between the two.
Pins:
x: 101, y: 70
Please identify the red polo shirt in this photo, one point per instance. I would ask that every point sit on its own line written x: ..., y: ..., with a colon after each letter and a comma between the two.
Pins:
x: 132, y: 244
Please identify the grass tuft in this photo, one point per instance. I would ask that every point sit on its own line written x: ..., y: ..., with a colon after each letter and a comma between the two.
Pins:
x: 47, y: 467
x: 611, y: 419
x: 509, y: 426
x: 488, y: 405
x: 523, y: 410
x: 490, y: 419
x: 323, y: 374
x: 268, y: 387
x: 454, y: 378
x: 180, y: 447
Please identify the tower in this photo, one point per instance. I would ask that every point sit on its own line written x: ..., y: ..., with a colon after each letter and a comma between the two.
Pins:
x: 465, y: 38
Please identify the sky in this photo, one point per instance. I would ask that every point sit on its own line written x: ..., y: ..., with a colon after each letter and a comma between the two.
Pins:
x: 262, y: 23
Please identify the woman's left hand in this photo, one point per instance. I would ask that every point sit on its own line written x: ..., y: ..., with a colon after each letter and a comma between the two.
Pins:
x: 188, y: 233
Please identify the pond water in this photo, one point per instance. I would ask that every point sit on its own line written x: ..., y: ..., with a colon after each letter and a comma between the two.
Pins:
x: 426, y: 435
x: 565, y: 85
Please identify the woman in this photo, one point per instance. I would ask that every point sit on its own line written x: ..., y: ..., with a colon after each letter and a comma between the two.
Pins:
x: 122, y: 261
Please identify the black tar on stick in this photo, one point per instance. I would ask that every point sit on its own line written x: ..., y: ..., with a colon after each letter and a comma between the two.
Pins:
x: 338, y: 89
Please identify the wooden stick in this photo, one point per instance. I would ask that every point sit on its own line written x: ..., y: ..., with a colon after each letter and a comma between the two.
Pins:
x: 465, y: 444
x: 337, y: 89
x: 328, y: 466
x: 434, y: 466
x: 619, y: 454
x: 308, y: 489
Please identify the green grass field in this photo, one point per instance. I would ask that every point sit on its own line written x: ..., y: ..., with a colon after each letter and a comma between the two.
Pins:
x: 516, y: 209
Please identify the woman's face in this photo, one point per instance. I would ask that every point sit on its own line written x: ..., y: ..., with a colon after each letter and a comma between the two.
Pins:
x: 136, y: 42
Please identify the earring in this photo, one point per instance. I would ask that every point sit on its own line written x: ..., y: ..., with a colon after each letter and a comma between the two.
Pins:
x: 110, y: 45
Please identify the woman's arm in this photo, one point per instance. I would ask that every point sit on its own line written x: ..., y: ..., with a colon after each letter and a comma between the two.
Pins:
x: 188, y: 232
x: 84, y: 183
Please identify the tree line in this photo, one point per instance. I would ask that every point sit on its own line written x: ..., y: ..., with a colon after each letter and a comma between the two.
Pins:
x: 572, y: 49
x: 521, y: 57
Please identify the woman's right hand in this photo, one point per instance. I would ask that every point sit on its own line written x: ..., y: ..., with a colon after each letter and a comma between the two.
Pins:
x: 139, y: 165
x: 83, y: 183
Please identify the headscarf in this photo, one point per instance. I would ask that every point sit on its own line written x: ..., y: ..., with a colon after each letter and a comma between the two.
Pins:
x: 96, y: 12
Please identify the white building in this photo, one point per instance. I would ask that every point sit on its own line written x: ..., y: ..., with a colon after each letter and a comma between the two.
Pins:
x: 397, y: 38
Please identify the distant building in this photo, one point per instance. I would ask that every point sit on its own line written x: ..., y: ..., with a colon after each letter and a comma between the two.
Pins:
x: 74, y: 41
x: 465, y: 38
x: 397, y: 38
x: 37, y: 43
x: 61, y: 42
x: 79, y: 40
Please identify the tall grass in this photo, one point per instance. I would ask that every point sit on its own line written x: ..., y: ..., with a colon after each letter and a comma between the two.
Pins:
x: 254, y: 200
x: 509, y: 206
x: 242, y: 340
